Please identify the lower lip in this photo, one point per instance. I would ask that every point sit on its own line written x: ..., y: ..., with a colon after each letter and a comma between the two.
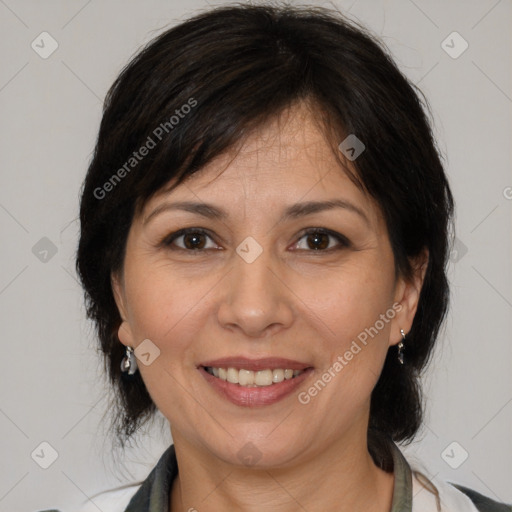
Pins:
x: 254, y: 397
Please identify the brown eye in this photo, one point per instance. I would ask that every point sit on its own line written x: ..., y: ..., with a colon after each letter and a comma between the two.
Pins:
x: 193, y: 239
x: 319, y: 240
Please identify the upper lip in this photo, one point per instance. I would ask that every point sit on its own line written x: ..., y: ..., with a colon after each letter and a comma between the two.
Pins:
x: 265, y: 363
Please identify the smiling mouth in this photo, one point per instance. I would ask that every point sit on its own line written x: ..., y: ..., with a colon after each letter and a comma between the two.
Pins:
x: 253, y: 379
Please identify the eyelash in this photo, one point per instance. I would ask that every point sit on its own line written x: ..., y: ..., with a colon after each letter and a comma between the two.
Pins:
x: 343, y: 241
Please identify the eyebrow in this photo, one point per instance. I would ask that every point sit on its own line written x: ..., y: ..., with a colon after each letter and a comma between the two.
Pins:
x: 293, y: 211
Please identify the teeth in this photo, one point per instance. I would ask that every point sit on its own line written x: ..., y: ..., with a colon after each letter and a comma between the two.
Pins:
x: 263, y: 378
x: 278, y: 376
x: 232, y: 376
x: 248, y: 378
x: 245, y: 378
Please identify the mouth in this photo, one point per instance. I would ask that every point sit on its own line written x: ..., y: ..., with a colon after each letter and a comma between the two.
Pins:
x: 253, y: 379
x: 251, y: 383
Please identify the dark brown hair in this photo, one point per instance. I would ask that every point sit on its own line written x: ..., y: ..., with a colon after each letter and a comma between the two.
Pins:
x: 237, y: 67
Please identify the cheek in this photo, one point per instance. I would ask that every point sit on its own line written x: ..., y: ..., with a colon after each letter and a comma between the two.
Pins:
x: 164, y: 309
x: 354, y: 318
x: 355, y: 321
x: 163, y: 306
x: 348, y: 300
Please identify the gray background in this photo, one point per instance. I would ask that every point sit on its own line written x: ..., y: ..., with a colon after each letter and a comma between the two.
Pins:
x: 52, y: 386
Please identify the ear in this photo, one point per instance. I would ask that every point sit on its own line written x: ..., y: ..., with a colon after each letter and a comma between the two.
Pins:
x: 407, y: 295
x: 125, y: 334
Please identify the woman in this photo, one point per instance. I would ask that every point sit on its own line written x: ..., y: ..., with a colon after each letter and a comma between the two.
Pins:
x: 264, y: 234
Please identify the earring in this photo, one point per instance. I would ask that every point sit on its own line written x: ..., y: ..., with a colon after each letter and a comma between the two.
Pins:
x: 128, y: 364
x: 401, y: 347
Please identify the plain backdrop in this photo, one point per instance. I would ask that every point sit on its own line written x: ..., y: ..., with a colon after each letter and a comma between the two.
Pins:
x: 52, y: 389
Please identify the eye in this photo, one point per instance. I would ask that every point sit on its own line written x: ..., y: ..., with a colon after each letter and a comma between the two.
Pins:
x: 318, y: 240
x: 193, y: 239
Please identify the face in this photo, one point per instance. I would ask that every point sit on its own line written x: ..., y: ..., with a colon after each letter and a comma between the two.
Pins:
x: 257, y: 283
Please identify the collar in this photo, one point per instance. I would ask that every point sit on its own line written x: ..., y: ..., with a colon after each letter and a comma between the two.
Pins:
x: 402, y: 489
x: 153, y: 495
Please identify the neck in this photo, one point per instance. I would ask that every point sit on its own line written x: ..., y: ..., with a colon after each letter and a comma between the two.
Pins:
x: 343, y: 477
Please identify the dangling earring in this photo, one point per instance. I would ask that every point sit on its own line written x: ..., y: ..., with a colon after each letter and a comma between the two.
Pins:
x: 128, y: 364
x: 401, y: 347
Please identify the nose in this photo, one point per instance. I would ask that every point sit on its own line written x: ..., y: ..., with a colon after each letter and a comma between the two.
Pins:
x: 256, y: 299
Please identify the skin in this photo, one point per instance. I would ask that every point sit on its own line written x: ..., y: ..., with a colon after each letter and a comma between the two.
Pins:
x: 293, y: 301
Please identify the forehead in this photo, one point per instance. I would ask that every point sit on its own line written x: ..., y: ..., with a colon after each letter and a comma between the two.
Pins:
x: 281, y: 162
x: 291, y: 147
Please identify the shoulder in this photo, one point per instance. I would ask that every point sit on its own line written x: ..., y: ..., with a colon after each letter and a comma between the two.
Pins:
x: 484, y: 503
x: 447, y: 496
x: 118, y: 499
x: 114, y: 500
